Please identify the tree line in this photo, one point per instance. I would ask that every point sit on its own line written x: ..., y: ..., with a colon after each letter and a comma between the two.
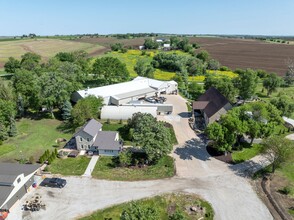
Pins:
x: 37, y: 86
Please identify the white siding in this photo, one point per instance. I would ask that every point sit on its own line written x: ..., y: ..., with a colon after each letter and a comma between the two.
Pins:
x: 83, y: 140
x: 125, y: 112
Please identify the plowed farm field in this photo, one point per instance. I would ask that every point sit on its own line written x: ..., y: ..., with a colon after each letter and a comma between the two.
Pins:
x: 231, y: 52
x: 242, y: 53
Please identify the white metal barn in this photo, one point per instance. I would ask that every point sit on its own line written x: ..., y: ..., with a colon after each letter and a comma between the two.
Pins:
x: 122, y: 93
x: 125, y: 112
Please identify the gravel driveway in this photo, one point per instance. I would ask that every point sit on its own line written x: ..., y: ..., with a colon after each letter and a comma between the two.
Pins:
x: 224, y: 186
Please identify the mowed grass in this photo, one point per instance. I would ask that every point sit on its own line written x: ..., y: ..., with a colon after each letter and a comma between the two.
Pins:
x: 287, y: 170
x: 34, y: 137
x: 69, y: 166
x: 165, y: 204
x: 246, y: 153
x: 45, y: 47
x: 106, y: 168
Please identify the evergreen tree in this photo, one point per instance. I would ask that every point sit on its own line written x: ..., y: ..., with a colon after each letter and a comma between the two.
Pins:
x: 66, y: 110
x: 12, y: 128
x: 20, y: 106
x: 3, y: 132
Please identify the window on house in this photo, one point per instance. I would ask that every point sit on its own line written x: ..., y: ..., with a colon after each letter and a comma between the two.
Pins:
x: 18, y: 180
x: 89, y: 146
x: 82, y: 146
x: 81, y: 139
x: 88, y: 139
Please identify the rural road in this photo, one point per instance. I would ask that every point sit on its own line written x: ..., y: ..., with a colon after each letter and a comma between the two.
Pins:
x: 224, y: 186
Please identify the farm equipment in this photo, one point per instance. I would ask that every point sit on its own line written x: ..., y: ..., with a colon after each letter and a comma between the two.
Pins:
x: 34, y: 205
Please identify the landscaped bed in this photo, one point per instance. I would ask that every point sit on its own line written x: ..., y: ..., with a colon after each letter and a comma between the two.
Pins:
x: 165, y: 205
x: 107, y: 168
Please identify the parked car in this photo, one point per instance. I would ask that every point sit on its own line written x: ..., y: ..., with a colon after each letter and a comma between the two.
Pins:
x: 54, y: 182
x: 149, y: 99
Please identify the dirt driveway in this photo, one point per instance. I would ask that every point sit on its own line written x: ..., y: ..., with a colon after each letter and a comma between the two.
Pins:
x: 224, y: 186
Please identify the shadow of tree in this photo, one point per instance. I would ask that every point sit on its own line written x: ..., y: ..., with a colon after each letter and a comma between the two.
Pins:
x: 247, y: 168
x: 193, y: 148
x: 185, y: 114
x: 66, y: 127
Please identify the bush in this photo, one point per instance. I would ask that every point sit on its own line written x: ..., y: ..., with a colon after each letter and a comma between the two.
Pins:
x: 224, y: 68
x: 32, y: 160
x: 286, y: 190
x: 124, y: 50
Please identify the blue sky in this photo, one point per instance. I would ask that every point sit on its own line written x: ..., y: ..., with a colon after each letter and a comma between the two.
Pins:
x: 50, y: 17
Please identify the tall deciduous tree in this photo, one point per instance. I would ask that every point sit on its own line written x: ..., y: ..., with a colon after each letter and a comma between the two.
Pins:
x: 222, y: 137
x: 144, y: 68
x: 110, y: 70
x: 203, y: 55
x: 11, y: 65
x: 150, y: 44
x: 5, y: 91
x: 284, y: 103
x: 86, y: 109
x: 30, y: 61
x: 26, y: 84
x: 271, y: 83
x: 54, y: 90
x: 223, y: 84
x: 277, y: 150
x: 289, y: 76
x: 246, y: 82
x: 152, y: 136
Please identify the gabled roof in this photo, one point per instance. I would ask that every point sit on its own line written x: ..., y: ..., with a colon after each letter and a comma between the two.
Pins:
x: 115, y: 89
x: 92, y: 127
x: 210, y: 102
x: 105, y: 140
x: 8, y: 173
x: 200, y: 104
x: 15, y: 169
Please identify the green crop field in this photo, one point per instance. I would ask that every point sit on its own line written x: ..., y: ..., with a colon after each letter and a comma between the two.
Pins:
x: 44, y: 47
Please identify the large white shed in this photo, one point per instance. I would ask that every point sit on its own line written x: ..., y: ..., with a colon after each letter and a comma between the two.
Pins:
x: 125, y: 112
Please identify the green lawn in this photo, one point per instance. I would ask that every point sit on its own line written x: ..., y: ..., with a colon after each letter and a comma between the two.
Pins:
x: 106, y: 169
x: 246, y: 153
x: 69, y: 166
x: 165, y: 204
x: 287, y: 170
x: 34, y: 137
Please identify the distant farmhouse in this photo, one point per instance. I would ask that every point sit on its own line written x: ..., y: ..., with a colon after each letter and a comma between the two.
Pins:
x: 15, y: 181
x: 90, y: 137
x: 210, y: 107
x: 121, y: 100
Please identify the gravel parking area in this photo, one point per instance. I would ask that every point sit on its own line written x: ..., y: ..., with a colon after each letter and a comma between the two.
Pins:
x: 224, y: 186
